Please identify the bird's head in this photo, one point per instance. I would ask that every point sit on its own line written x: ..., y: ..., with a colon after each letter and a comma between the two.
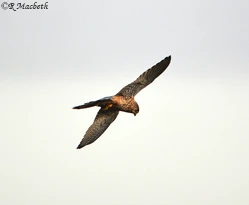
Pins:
x: 135, y: 109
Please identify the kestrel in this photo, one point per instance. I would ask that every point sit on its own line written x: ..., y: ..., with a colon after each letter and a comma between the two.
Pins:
x: 122, y: 101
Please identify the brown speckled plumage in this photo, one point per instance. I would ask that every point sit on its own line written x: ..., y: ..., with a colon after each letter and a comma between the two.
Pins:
x: 122, y: 101
x: 101, y: 122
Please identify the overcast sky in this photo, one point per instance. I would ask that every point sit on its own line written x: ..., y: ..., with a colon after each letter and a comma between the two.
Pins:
x: 189, y: 142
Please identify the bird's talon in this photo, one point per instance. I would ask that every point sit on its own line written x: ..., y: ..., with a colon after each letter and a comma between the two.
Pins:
x: 107, y: 107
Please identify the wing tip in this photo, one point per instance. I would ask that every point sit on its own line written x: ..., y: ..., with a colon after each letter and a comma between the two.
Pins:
x: 79, y: 146
x: 167, y: 60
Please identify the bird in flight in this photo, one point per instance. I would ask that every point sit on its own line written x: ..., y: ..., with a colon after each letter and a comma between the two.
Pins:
x: 122, y: 101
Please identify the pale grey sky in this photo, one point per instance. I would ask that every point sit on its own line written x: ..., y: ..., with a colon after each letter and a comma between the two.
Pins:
x: 189, y: 143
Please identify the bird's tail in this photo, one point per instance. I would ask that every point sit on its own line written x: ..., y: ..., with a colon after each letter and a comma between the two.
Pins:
x: 100, y: 103
x: 86, y: 105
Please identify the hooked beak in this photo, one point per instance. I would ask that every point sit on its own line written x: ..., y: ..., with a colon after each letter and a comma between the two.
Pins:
x: 135, y: 113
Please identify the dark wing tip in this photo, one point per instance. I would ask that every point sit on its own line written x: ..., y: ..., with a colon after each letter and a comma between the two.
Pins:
x: 168, y: 58
x: 79, y: 146
x: 165, y: 62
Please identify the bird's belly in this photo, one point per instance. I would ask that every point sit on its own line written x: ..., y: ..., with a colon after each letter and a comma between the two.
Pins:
x: 122, y: 104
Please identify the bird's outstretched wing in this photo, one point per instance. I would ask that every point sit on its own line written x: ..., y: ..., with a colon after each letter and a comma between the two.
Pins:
x: 145, y: 79
x: 101, y: 122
